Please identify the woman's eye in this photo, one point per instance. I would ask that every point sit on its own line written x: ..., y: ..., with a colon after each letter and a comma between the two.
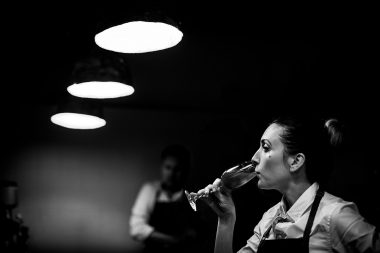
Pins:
x: 265, y: 148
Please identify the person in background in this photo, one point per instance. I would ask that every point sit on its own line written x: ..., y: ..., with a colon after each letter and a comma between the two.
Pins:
x: 294, y: 156
x: 161, y: 217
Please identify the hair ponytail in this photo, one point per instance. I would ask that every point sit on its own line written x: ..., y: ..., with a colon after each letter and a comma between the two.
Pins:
x: 334, y: 131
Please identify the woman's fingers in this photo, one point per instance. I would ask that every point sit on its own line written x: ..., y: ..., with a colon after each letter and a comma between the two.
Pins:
x: 206, y: 191
x: 211, y: 188
x: 217, y: 183
x: 218, y: 199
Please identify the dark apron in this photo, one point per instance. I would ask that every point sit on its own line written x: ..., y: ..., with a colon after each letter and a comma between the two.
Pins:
x: 171, y: 218
x: 293, y: 245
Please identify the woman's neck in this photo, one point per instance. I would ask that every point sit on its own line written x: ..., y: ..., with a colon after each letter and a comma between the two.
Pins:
x: 294, y: 191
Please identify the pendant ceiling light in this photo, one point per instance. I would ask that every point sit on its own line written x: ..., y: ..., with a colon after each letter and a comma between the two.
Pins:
x: 101, y: 77
x: 151, y: 32
x: 78, y: 114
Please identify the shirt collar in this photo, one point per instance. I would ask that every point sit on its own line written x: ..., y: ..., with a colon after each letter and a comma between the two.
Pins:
x: 165, y: 196
x: 302, y: 203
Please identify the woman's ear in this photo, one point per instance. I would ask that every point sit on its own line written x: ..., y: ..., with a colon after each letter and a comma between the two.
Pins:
x: 296, y: 162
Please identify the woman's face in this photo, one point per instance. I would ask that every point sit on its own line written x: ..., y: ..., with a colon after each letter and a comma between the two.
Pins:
x: 272, y: 164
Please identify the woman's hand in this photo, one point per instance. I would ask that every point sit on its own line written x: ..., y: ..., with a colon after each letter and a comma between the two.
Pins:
x: 219, y: 199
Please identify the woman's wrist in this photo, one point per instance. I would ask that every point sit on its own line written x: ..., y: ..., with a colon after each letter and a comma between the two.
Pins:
x: 227, y: 219
x: 224, y: 234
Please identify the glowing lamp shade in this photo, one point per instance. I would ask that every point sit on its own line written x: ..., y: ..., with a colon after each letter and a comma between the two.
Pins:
x: 101, y: 77
x: 139, y: 37
x: 78, y: 113
x: 77, y: 120
x: 100, y: 90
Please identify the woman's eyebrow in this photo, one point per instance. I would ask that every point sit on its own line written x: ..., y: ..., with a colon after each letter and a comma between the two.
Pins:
x: 263, y: 141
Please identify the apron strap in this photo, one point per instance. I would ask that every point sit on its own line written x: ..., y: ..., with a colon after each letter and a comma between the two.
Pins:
x: 313, y: 212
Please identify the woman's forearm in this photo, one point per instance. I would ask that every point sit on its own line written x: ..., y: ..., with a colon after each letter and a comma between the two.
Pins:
x: 224, y: 235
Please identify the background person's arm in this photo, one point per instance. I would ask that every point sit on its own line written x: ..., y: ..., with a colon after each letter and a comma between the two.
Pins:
x: 141, y: 211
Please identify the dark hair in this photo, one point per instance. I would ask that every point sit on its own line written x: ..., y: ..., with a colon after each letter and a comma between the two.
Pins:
x: 180, y: 152
x: 316, y: 138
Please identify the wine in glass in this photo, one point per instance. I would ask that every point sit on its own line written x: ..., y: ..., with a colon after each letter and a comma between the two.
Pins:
x: 231, y: 179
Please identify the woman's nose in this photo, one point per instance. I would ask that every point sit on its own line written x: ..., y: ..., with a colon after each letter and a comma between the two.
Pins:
x: 255, y: 157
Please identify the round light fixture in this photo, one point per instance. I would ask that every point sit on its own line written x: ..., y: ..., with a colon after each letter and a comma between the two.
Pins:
x: 78, y: 113
x: 101, y: 77
x: 139, y: 37
x: 77, y: 120
x: 100, y: 90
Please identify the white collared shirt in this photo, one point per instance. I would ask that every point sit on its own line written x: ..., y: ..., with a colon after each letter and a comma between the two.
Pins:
x: 337, y: 226
x: 143, y: 208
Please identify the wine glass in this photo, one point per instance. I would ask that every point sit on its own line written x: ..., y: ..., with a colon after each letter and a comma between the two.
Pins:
x: 231, y: 179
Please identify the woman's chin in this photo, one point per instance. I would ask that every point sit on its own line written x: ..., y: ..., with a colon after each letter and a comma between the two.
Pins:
x: 262, y: 185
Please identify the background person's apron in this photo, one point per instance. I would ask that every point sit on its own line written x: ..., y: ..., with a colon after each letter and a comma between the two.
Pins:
x: 171, y: 218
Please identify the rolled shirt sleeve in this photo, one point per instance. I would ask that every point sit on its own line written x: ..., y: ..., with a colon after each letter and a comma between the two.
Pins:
x: 141, y: 211
x: 351, y: 232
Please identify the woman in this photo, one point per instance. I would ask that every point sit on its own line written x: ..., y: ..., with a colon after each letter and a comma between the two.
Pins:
x: 292, y: 158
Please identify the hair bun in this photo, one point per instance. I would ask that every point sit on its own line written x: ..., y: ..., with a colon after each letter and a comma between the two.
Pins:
x: 335, y: 131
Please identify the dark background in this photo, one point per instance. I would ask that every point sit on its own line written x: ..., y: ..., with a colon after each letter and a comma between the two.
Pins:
x: 237, y: 66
